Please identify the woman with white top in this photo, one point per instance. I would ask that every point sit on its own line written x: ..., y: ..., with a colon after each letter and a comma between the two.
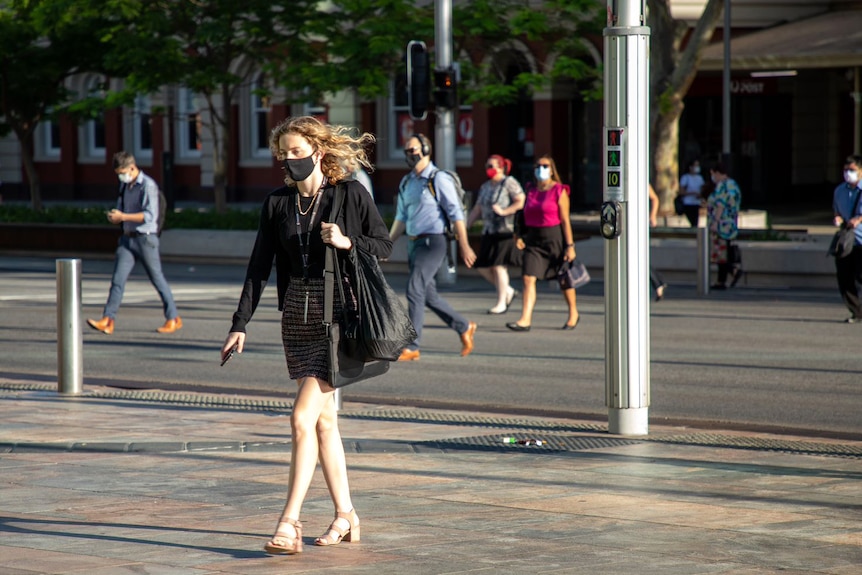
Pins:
x: 690, y: 188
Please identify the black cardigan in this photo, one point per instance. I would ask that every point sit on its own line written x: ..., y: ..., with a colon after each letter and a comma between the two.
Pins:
x: 362, y: 224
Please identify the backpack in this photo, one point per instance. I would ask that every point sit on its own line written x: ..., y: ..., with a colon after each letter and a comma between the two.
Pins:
x: 163, y: 212
x: 459, y: 189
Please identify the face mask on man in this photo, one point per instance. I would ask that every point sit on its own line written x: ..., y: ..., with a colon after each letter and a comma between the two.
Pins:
x: 695, y: 169
x: 125, y: 178
x: 299, y: 169
x: 851, y: 176
x: 543, y: 173
x: 412, y: 159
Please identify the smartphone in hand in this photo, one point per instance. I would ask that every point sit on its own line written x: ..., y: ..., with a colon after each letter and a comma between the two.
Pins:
x: 228, y: 356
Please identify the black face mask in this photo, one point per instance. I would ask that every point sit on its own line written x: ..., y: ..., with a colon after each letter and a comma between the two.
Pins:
x: 299, y: 169
x: 412, y: 159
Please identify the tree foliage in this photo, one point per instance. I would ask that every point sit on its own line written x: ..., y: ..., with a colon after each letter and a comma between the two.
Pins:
x: 42, y: 44
x: 557, y: 30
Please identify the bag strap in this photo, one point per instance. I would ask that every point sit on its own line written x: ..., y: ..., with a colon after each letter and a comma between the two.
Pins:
x: 856, y: 203
x: 331, y: 270
x: 500, y: 190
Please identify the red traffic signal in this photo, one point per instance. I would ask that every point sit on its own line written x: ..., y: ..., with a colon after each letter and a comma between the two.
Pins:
x: 445, y: 88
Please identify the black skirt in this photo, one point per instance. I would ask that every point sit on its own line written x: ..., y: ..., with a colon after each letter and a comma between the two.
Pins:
x: 543, y: 253
x: 306, y: 347
x: 498, y: 250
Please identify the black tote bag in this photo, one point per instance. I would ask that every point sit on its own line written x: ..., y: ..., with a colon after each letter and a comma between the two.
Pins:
x: 374, y: 333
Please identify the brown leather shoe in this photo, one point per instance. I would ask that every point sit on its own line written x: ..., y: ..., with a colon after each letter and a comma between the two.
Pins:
x: 171, y: 325
x: 104, y: 325
x: 467, y: 339
x: 409, y: 355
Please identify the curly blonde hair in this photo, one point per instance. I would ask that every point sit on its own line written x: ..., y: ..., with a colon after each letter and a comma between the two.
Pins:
x: 343, y: 151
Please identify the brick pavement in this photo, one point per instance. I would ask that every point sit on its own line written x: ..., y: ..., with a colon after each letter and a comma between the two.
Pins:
x: 113, y: 483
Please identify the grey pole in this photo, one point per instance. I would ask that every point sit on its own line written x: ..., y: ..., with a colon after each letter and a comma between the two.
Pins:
x: 338, y: 400
x: 70, y: 365
x: 702, y: 261
x: 444, y: 131
x: 625, y: 217
x: 725, y: 92
x: 857, y: 112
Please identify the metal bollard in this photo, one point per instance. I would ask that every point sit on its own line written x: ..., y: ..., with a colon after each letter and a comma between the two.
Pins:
x: 337, y: 398
x: 70, y: 366
x: 702, y: 261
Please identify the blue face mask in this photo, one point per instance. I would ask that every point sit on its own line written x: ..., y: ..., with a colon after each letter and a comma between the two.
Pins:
x: 543, y: 173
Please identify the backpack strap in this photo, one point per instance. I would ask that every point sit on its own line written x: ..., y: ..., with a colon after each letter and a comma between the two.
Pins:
x: 431, y: 179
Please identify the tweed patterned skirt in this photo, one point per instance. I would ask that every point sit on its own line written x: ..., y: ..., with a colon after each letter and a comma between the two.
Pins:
x: 306, y: 347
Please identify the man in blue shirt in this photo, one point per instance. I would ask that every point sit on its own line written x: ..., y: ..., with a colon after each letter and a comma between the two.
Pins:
x: 847, y: 206
x: 423, y: 217
x: 138, y: 212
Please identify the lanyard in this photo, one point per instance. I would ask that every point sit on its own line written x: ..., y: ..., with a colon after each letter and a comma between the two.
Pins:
x: 305, y: 245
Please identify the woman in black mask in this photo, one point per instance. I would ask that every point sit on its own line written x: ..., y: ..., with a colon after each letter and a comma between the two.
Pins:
x: 294, y: 232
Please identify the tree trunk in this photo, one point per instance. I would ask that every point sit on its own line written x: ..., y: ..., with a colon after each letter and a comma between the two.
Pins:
x: 221, y: 151
x: 25, y: 140
x: 665, y: 155
x: 672, y: 71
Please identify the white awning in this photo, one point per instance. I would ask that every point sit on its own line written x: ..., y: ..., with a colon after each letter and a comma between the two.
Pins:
x: 831, y: 40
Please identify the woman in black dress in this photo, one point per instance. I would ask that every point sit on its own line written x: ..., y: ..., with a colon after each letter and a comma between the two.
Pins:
x: 294, y: 232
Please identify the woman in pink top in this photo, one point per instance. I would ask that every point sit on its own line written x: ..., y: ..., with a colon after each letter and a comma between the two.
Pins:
x: 546, y: 239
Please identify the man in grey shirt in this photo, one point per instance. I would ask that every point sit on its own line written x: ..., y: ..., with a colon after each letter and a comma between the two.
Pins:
x: 423, y: 217
x: 138, y: 212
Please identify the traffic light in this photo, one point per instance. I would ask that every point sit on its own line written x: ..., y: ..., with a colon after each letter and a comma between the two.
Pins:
x: 418, y: 80
x: 445, y: 88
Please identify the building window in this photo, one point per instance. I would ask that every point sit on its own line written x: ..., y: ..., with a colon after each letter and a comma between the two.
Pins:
x: 319, y: 111
x: 259, y: 118
x: 464, y: 136
x: 94, y: 130
x: 401, y: 124
x: 188, y: 124
x: 142, y: 128
x: 47, y: 140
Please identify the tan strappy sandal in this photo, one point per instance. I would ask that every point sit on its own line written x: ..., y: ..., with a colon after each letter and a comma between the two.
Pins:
x: 335, y: 534
x: 283, y: 543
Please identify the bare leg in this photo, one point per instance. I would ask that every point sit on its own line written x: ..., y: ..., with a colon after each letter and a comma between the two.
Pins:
x: 488, y: 274
x: 500, y: 279
x: 571, y: 299
x: 311, y: 399
x: 332, y: 460
x: 334, y: 464
x: 529, y: 301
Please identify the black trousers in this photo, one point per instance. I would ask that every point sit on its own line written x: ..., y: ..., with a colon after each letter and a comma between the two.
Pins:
x: 733, y: 264
x: 849, y: 273
x: 692, y: 214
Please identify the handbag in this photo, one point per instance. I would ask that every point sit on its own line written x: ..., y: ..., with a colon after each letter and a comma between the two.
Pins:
x: 573, y: 275
x: 842, y: 243
x: 374, y: 331
x: 844, y: 239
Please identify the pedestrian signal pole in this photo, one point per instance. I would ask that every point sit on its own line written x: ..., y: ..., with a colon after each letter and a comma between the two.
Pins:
x: 625, y: 217
x: 445, y: 86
